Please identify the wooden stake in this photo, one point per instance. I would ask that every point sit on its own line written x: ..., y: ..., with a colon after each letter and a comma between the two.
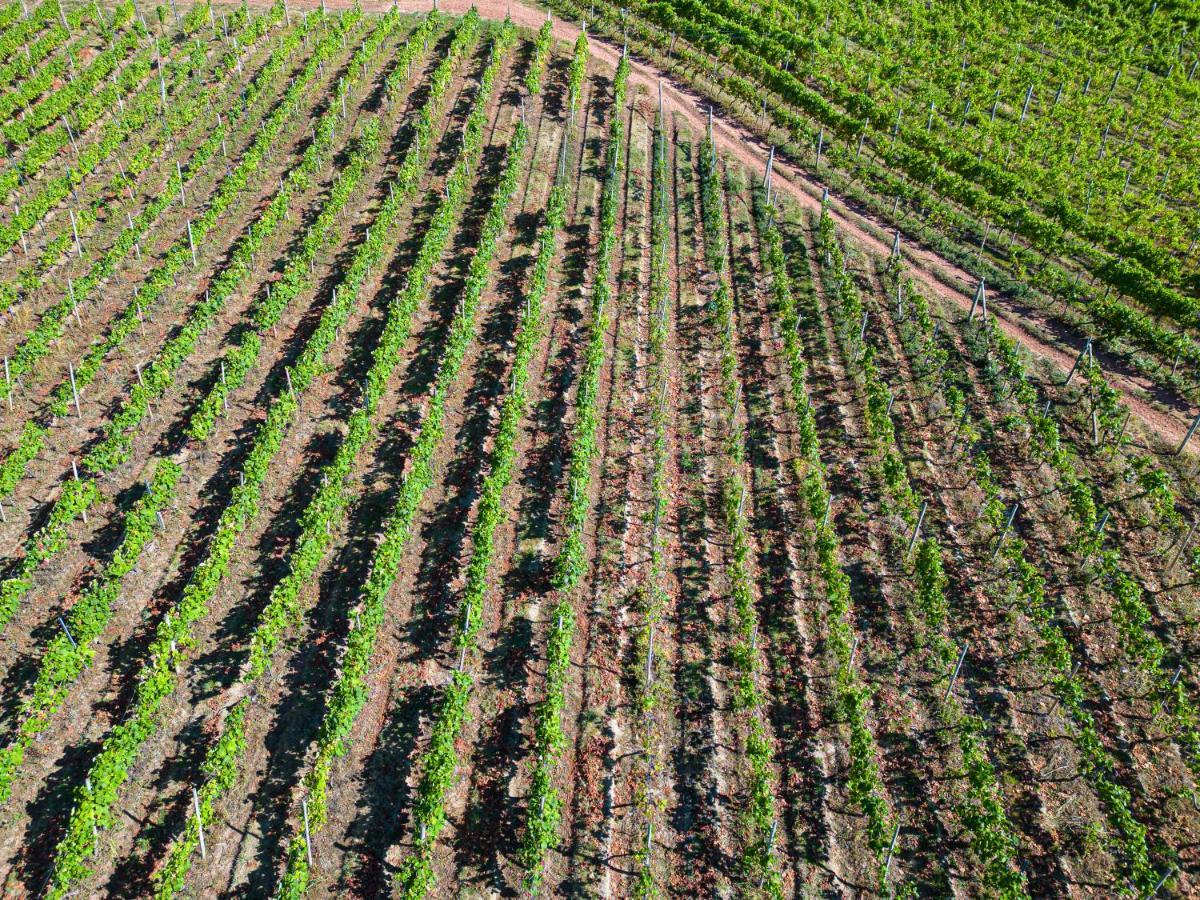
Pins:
x: 1124, y: 425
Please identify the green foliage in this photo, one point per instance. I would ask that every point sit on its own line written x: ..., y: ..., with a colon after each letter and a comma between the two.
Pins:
x: 541, y: 55
x: 544, y: 805
x: 67, y: 656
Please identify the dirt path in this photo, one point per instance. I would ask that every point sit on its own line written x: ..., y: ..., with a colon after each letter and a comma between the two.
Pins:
x: 936, y: 274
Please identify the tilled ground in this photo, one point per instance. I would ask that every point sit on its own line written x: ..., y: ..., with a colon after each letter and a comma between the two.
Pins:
x: 667, y: 789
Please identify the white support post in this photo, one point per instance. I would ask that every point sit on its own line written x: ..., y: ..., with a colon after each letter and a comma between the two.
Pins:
x: 887, y: 865
x: 191, y: 243
x: 1087, y: 348
x: 917, y: 528
x: 650, y: 657
x: 75, y: 394
x: 979, y: 297
x: 199, y: 823
x: 137, y: 245
x: 75, y: 232
x: 1012, y: 514
x: 1187, y: 437
x: 1170, y: 871
x: 954, y: 676
x: 1183, y: 545
x: 304, y: 803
